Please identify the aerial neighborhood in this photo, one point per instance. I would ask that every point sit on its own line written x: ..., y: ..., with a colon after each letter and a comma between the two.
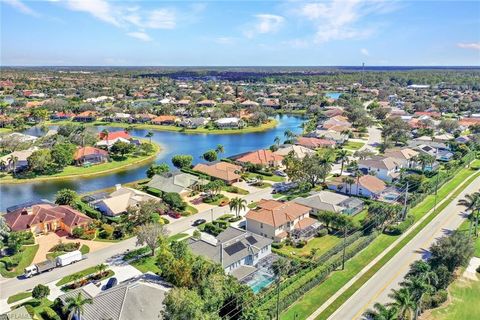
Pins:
x: 210, y: 191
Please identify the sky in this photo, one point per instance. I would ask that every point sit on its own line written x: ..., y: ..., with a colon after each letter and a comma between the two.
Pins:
x: 239, y: 33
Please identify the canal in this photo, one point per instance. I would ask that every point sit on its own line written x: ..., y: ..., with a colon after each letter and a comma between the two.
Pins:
x: 172, y: 143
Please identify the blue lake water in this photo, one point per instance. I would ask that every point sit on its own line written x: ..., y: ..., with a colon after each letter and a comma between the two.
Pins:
x: 333, y: 95
x: 172, y: 143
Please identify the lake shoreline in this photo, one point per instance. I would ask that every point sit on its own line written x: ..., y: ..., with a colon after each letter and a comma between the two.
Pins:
x: 149, y: 158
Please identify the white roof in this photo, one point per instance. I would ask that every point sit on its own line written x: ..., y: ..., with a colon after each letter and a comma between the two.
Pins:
x: 227, y: 120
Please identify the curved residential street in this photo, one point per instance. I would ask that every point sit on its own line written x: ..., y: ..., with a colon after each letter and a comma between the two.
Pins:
x: 391, y: 274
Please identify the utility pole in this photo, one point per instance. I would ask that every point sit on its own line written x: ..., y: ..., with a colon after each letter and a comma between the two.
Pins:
x: 405, y: 202
x: 344, y: 242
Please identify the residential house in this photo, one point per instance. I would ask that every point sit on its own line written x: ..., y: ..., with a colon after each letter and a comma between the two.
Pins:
x: 206, y: 103
x: 299, y: 151
x: 18, y: 137
x: 229, y: 123
x: 86, y: 116
x: 337, y: 121
x: 338, y: 137
x: 144, y: 117
x: 237, y: 250
x: 193, y: 123
x: 122, y: 198
x: 404, y: 157
x: 332, y: 202
x: 165, y: 120
x: 263, y: 157
x: 45, y: 218
x: 20, y: 313
x: 249, y: 103
x: 137, y: 298
x: 278, y: 220
x: 17, y: 159
x: 271, y: 103
x: 314, y: 143
x: 368, y: 186
x: 178, y: 182
x: 62, y: 116
x: 385, y: 168
x: 90, y: 155
x: 228, y: 172
x: 5, y: 120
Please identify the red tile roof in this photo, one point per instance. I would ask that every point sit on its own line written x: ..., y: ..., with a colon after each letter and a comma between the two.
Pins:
x: 114, y: 135
x: 276, y: 213
x: 263, y: 156
x: 85, y: 151
x: 314, y: 142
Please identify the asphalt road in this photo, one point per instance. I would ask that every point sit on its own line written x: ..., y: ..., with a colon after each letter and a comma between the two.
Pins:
x: 11, y: 286
x: 377, y: 288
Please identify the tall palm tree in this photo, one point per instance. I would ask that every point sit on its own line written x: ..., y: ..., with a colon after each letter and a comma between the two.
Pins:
x: 101, y: 268
x: 288, y: 134
x: 342, y: 156
x: 358, y: 175
x: 472, y: 202
x: 417, y: 287
x: 349, y: 181
x: 325, y: 167
x: 381, y: 312
x: 238, y: 204
x: 219, y: 149
x: 276, y: 141
x: 75, y: 306
x: 13, y: 160
x: 105, y: 134
x: 404, y: 301
x: 149, y: 135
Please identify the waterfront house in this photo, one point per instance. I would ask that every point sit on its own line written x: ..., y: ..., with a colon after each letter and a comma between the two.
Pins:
x: 90, y: 155
x: 299, y: 151
x: 228, y: 172
x: 229, y: 123
x: 165, y: 120
x: 314, y: 143
x: 236, y: 250
x: 263, y: 157
x: 45, y: 218
x: 178, y: 182
x: 62, y: 116
x: 7, y: 162
x: 118, y: 201
x: 193, y: 123
x: 86, y: 116
x: 278, y: 220
x: 332, y: 202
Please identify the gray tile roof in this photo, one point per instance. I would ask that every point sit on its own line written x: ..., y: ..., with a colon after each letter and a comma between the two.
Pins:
x: 173, y: 182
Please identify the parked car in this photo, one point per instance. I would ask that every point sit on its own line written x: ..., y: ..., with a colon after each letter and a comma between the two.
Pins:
x: 280, y: 173
x: 174, y: 214
x: 112, y: 282
x: 198, y: 222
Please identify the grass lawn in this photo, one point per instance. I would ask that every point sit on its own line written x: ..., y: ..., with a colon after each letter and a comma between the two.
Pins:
x: 323, y: 244
x: 319, y: 294
x: 177, y: 236
x: 235, y: 190
x: 353, y: 145
x: 70, y: 278
x: 464, y: 304
x: 191, y: 210
x: 146, y: 264
x: 73, y: 171
x: 272, y: 123
x: 360, y: 216
x: 274, y: 178
x: 26, y: 255
x: 18, y: 297
x: 218, y: 201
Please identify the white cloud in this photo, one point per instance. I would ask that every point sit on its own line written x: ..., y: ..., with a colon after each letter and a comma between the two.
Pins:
x: 161, y: 19
x: 342, y: 19
x: 365, y: 52
x: 22, y: 7
x: 140, y: 35
x: 470, y: 45
x: 264, y: 23
x: 100, y: 9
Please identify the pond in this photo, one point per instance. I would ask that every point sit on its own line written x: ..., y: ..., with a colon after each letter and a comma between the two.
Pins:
x: 333, y: 95
x: 172, y: 143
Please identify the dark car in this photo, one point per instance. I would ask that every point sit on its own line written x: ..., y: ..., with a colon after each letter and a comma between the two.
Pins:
x: 112, y: 282
x: 174, y: 214
x: 198, y: 222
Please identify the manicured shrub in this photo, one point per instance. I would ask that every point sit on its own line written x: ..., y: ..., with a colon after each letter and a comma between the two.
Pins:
x: 322, y: 232
x: 40, y: 291
x: 277, y: 245
x: 78, y: 232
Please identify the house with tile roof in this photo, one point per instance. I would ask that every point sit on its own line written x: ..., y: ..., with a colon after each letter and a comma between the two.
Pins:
x: 165, y: 120
x: 122, y: 198
x: 385, y: 168
x: 177, y: 182
x: 404, y: 157
x: 237, y: 250
x: 368, y: 186
x: 332, y: 202
x: 228, y: 172
x: 86, y: 116
x: 278, y: 220
x: 299, y: 151
x: 314, y: 143
x: 90, y: 155
x: 263, y: 157
x: 45, y: 218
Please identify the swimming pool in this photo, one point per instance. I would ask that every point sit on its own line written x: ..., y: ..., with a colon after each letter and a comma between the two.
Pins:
x: 259, y: 281
x: 333, y: 95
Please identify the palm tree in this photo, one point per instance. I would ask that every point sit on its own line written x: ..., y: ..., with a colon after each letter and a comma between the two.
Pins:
x: 238, y: 204
x: 358, y: 175
x: 472, y: 202
x: 149, y: 135
x: 219, y: 149
x: 75, y: 306
x: 288, y: 134
x: 381, y: 312
x: 13, y: 160
x: 325, y: 167
x: 101, y: 268
x: 342, y: 156
x: 404, y: 302
x: 3, y: 164
x: 417, y: 287
x: 276, y: 141
x: 105, y: 134
x: 424, y: 159
x: 76, y: 277
x: 349, y: 181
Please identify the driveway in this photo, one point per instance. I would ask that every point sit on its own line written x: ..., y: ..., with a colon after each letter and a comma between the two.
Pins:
x: 46, y: 242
